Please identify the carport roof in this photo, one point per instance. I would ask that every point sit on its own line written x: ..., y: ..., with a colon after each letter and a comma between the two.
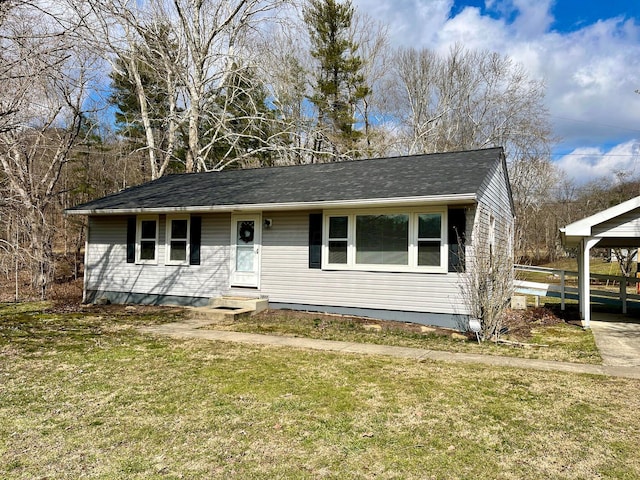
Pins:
x: 618, y: 226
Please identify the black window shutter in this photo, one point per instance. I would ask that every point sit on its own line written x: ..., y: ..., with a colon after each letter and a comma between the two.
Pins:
x: 457, y: 234
x: 195, y: 235
x: 131, y: 239
x: 315, y: 240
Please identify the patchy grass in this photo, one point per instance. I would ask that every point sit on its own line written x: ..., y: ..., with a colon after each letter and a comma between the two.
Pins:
x: 82, y: 397
x: 579, y: 345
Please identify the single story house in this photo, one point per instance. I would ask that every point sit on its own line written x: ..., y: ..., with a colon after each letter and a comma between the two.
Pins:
x: 377, y: 237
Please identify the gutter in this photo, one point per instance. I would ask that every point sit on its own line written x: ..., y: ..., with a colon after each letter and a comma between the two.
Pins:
x: 258, y: 207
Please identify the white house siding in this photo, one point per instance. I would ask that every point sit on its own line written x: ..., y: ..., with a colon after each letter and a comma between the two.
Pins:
x: 287, y: 278
x: 627, y: 225
x: 107, y: 270
x: 494, y: 197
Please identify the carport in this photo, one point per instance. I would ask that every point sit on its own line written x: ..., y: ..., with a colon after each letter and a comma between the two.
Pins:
x: 615, y: 227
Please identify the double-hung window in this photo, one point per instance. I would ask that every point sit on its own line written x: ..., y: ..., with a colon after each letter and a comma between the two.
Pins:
x: 181, y: 242
x: 147, y: 239
x: 429, y: 239
x: 386, y: 240
x: 338, y: 240
x: 177, y: 240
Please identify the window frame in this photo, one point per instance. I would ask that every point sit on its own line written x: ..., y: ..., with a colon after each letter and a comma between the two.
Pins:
x: 140, y: 239
x: 169, y: 239
x: 412, y: 247
x: 329, y: 239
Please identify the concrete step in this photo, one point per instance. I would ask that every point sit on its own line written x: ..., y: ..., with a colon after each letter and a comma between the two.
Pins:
x: 228, y: 308
x: 222, y: 313
x: 255, y: 304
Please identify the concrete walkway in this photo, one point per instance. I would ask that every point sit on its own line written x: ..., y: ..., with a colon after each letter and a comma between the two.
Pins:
x: 618, y: 339
x: 192, y: 329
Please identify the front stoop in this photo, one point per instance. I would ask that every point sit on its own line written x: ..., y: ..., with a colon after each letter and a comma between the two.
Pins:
x: 255, y: 304
x: 229, y: 308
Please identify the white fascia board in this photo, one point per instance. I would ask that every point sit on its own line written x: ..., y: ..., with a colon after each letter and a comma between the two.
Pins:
x: 258, y: 207
x: 583, y: 227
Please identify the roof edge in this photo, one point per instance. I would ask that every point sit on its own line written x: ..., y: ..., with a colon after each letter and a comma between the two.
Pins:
x: 583, y: 227
x: 371, y: 202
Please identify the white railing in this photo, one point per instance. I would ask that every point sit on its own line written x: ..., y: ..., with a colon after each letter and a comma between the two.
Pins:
x: 559, y: 286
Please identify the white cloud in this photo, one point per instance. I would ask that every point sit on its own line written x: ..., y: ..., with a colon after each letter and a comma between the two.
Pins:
x: 591, y: 73
x: 589, y: 163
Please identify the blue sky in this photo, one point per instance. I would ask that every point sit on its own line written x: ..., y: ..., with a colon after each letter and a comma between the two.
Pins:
x: 587, y: 52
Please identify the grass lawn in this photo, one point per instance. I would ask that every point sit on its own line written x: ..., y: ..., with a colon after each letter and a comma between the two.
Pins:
x: 563, y: 341
x: 83, y: 395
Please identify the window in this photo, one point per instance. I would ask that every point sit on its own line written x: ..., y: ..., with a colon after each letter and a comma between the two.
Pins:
x: 177, y: 240
x: 338, y: 241
x: 183, y: 239
x: 429, y: 239
x: 389, y: 240
x: 147, y: 240
x: 382, y: 239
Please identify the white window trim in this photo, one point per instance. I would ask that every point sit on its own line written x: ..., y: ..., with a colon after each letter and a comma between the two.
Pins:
x: 139, y: 238
x: 168, y: 239
x: 412, y: 247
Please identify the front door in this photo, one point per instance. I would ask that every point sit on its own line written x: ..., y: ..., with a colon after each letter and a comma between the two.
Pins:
x: 245, y: 250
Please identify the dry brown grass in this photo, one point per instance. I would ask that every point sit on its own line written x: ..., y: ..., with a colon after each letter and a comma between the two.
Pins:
x: 563, y: 340
x: 85, y: 396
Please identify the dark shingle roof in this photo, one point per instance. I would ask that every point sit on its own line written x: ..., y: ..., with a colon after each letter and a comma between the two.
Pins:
x: 454, y: 173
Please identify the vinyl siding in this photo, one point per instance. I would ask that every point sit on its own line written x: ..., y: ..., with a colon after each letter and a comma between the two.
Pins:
x: 287, y: 278
x: 494, y: 198
x: 627, y: 225
x: 107, y: 269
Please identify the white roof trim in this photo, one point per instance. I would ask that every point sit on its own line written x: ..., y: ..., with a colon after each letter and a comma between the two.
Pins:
x: 583, y: 228
x: 401, y: 201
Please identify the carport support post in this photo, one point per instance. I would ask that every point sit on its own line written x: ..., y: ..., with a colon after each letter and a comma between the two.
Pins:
x: 584, y: 272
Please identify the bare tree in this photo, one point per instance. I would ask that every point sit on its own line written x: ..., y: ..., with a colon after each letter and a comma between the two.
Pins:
x: 373, y: 41
x: 289, y: 69
x: 487, y: 282
x: 468, y: 99
x: 137, y: 39
x: 47, y: 85
x: 534, y: 183
x: 206, y: 46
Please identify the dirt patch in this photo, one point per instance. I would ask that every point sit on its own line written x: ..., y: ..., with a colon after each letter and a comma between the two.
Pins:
x: 271, y: 315
x: 518, y: 324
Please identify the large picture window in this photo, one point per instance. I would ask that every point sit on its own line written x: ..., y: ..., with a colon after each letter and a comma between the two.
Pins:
x: 392, y: 240
x: 382, y: 239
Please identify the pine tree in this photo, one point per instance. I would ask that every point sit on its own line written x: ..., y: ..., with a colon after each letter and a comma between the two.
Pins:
x: 249, y: 122
x: 160, y: 87
x: 339, y: 82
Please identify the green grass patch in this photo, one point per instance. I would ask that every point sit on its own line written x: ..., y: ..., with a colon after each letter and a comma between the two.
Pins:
x: 120, y: 404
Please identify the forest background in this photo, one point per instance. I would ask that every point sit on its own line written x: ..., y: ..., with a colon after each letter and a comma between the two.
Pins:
x: 99, y: 96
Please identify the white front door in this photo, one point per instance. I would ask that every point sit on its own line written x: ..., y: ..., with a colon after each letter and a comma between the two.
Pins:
x: 245, y: 250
